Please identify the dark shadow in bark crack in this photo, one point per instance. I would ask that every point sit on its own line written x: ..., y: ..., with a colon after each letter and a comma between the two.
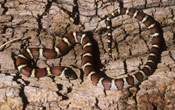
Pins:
x: 120, y: 3
x: 75, y: 13
x: 4, y: 7
x: 63, y: 96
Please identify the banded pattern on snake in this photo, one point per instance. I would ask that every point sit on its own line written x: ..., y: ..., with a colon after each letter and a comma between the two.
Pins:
x: 23, y: 61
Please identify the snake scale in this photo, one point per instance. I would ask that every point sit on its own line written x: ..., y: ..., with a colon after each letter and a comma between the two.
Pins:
x: 24, y: 65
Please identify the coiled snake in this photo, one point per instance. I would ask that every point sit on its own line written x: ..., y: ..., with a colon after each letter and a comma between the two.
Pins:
x: 23, y: 61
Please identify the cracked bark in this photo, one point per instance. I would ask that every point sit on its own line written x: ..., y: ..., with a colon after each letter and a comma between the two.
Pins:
x: 42, y: 23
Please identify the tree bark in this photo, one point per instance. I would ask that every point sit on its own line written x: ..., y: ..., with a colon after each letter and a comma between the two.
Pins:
x: 42, y: 23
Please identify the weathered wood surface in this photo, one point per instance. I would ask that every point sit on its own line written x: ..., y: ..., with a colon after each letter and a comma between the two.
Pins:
x: 41, y: 23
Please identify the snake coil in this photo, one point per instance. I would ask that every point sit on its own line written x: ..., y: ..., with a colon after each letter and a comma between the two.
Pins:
x: 23, y: 61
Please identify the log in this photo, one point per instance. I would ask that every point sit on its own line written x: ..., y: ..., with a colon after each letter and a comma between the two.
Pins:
x: 42, y: 23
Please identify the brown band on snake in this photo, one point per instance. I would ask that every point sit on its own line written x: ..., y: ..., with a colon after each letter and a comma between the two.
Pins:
x: 23, y: 61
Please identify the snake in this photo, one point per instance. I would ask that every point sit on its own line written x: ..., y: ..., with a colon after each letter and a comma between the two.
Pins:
x: 25, y: 58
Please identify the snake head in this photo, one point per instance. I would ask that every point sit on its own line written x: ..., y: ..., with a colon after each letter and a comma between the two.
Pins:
x: 69, y: 74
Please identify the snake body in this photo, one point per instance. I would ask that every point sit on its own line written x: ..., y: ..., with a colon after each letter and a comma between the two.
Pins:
x: 23, y: 61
